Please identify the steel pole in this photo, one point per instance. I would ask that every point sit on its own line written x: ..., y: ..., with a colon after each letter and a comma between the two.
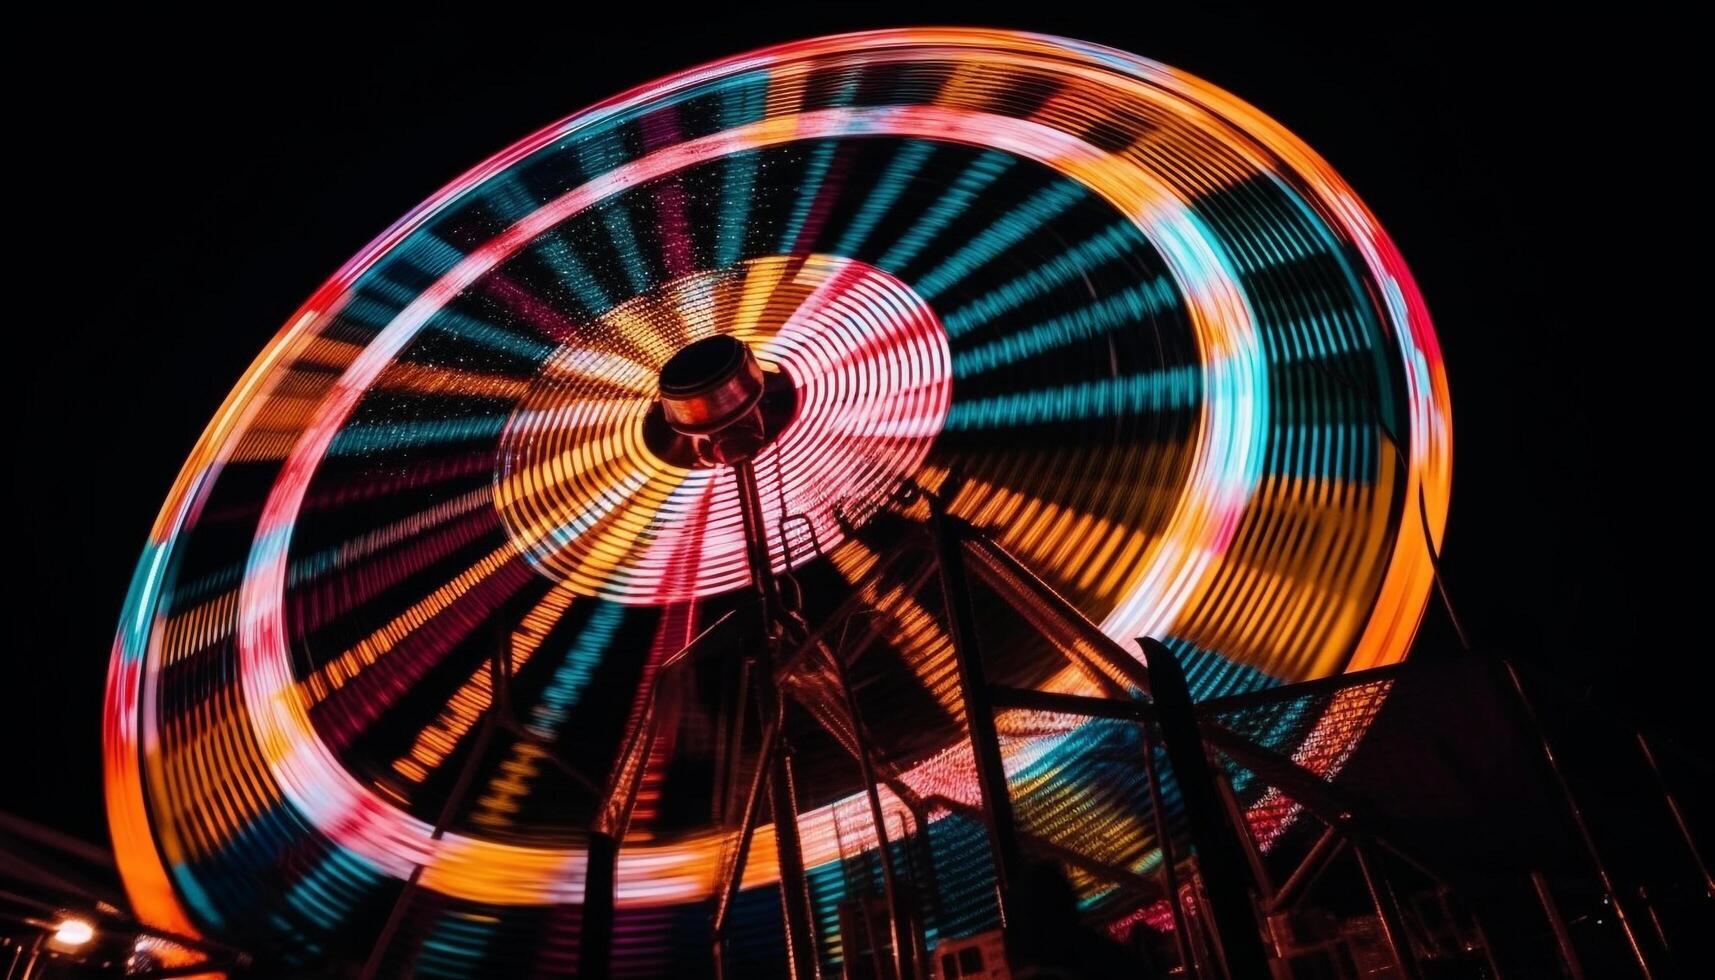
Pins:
x: 1220, y: 859
x: 979, y: 712
x: 794, y: 887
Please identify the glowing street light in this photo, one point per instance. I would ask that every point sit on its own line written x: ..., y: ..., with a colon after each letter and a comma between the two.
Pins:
x: 74, y: 932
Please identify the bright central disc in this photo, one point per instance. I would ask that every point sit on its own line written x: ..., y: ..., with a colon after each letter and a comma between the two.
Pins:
x: 585, y: 499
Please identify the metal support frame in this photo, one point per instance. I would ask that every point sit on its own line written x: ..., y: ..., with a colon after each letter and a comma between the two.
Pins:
x: 1227, y: 860
x: 1309, y: 870
x: 733, y: 874
x: 1349, y: 824
x: 1113, y: 670
x: 498, y: 717
x: 1228, y: 912
x: 1169, y: 861
x: 733, y: 871
x: 1388, y: 912
x: 1310, y: 791
x: 1139, y: 713
x: 500, y: 667
x: 904, y: 966
x: 1247, y: 842
x: 1528, y: 708
x: 979, y: 712
x: 1219, y: 857
x: 614, y: 817
x: 1678, y: 814
x: 1109, y: 666
x: 595, y: 928
x: 1557, y: 924
x: 765, y: 629
x: 767, y: 633
x: 1116, y: 672
x: 449, y: 811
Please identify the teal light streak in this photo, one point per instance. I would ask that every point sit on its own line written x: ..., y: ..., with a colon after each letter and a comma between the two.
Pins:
x: 827, y: 886
x: 140, y: 600
x: 964, y: 883
x: 1256, y: 245
x: 745, y: 101
x: 567, y: 685
x: 377, y: 314
x: 508, y: 199
x: 192, y: 892
x: 356, y: 440
x: 369, y: 312
x: 558, y: 252
x: 1158, y: 391
x: 737, y: 183
x: 966, y: 188
x: 1118, y: 241
x: 486, y: 334
x: 598, y: 156
x: 1310, y: 307
x: 1369, y: 327
x: 1011, y: 228
x: 327, y: 895
x: 888, y: 188
x: 424, y: 251
x: 1323, y: 450
x: 1126, y: 307
x: 398, y: 279
x: 815, y: 172
x: 388, y: 288
x: 456, y: 946
x: 208, y: 585
x: 1212, y: 675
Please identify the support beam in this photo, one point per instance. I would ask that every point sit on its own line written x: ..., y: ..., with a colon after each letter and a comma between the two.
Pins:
x: 1307, y: 789
x: 595, y: 929
x: 904, y: 964
x: 1111, y: 663
x: 1678, y: 814
x: 1321, y: 854
x: 1247, y: 840
x: 789, y: 855
x: 1237, y: 933
x: 767, y: 632
x: 1557, y: 924
x: 455, y: 802
x: 614, y: 817
x: 1527, y: 708
x: 979, y: 713
x: 728, y: 886
x: 1169, y: 858
x: 1388, y: 911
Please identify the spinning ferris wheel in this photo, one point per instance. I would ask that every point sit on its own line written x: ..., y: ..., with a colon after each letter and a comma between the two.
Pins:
x: 753, y: 328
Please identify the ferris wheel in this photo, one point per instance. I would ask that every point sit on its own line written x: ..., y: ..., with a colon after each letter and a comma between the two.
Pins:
x: 1106, y: 315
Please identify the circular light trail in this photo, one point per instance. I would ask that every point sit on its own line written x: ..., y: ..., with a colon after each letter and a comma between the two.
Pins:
x: 869, y: 361
x: 1133, y: 326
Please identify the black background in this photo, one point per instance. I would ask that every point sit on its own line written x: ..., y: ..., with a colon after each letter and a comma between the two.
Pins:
x: 186, y: 184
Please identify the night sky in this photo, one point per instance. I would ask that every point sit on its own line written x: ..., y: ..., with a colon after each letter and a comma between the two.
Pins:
x: 182, y: 196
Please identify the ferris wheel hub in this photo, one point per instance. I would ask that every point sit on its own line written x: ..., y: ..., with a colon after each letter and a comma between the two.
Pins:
x: 710, y: 384
x: 711, y: 391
